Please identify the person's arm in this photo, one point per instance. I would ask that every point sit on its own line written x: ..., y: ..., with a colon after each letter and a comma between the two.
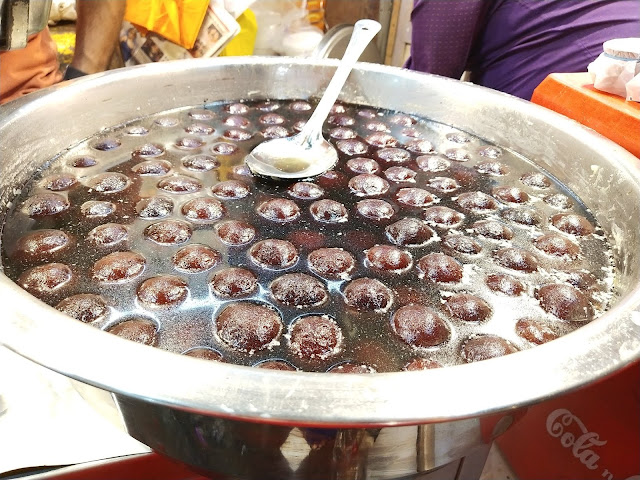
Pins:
x: 442, y: 34
x: 97, y: 33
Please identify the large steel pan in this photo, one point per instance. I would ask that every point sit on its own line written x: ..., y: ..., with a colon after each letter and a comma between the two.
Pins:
x: 254, y: 423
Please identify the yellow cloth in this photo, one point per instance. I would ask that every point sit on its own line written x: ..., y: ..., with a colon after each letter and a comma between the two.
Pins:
x: 243, y: 43
x: 176, y: 20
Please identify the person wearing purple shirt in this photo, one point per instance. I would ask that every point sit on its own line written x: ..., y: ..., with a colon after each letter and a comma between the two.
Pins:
x: 512, y: 45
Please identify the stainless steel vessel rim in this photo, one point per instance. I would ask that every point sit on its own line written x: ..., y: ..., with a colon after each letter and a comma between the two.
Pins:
x: 307, y: 398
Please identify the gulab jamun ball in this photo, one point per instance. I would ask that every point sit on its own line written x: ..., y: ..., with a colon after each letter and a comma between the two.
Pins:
x: 424, y: 247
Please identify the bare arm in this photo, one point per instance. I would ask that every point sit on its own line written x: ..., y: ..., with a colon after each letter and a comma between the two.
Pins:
x: 97, y: 32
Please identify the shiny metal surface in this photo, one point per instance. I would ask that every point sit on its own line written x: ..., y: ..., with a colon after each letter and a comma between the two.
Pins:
x: 308, y: 154
x: 21, y: 18
x: 164, y: 398
x: 334, y: 43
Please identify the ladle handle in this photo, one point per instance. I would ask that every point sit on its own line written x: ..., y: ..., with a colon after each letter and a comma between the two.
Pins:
x: 363, y: 33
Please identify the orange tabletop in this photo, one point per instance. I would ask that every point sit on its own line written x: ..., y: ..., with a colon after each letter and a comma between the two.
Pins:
x: 573, y: 95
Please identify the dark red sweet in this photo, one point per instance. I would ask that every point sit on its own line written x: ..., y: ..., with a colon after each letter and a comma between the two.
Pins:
x: 422, y: 364
x: 393, y: 155
x: 275, y: 131
x: 494, y: 168
x: 478, y: 202
x: 523, y: 216
x: 163, y: 291
x: 559, y: 201
x: 271, y: 119
x: 109, y: 182
x: 351, y: 147
x: 107, y: 144
x: 108, y: 234
x: 97, y: 209
x: 46, y: 278
x: 298, y: 290
x: 504, y: 284
x: 279, y: 210
x: 315, y: 336
x: 516, y: 259
x: 224, y: 148
x: 572, y: 223
x: 536, y: 180
x: 430, y: 163
x: 420, y: 326
x: 236, y: 108
x: 443, y: 217
x: 415, y: 197
x: 248, y: 326
x: 484, y: 347
x: 40, y: 244
x: 331, y: 263
x: 205, y: 353
x: 535, y: 331
x: 233, y: 282
x: 402, y: 119
x: 154, y: 207
x: 389, y: 258
x: 565, y: 302
x: 490, y: 151
x: 400, y: 174
x: 235, y: 232
x: 274, y: 254
x: 200, y: 162
x: 368, y: 294
x: 237, y: 121
x: 199, y: 129
x: 339, y: 133
x: 367, y: 185
x: 276, y: 365
x: 557, y: 245
x: 83, y: 162
x: 231, y: 189
x: 237, y: 134
x: 196, y: 258
x: 419, y: 146
x: 305, y: 191
x: 137, y: 330
x: 375, y: 209
x: 148, y: 150
x: 409, y: 232
x: 329, y: 211
x: 118, y: 267
x: 381, y: 140
x: 457, y: 155
x: 168, y: 232
x: 438, y: 267
x: 350, y: 367
x: 59, y: 182
x: 492, y: 229
x: 45, y: 204
x: 85, y: 307
x: 341, y: 120
x: 152, y: 167
x: 462, y: 244
x: 510, y: 194
x: 180, y: 184
x: 443, y: 184
x: 363, y: 165
x: 203, y: 209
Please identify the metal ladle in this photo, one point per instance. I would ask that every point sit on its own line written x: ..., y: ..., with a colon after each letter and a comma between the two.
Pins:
x: 308, y: 154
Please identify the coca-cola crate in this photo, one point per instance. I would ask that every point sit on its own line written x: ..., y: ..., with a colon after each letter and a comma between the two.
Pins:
x: 590, y: 434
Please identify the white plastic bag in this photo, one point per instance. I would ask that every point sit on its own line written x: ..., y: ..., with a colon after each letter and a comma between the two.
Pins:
x: 617, y: 66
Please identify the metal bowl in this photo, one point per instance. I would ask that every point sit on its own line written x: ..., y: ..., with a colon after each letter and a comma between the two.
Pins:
x: 236, y: 420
